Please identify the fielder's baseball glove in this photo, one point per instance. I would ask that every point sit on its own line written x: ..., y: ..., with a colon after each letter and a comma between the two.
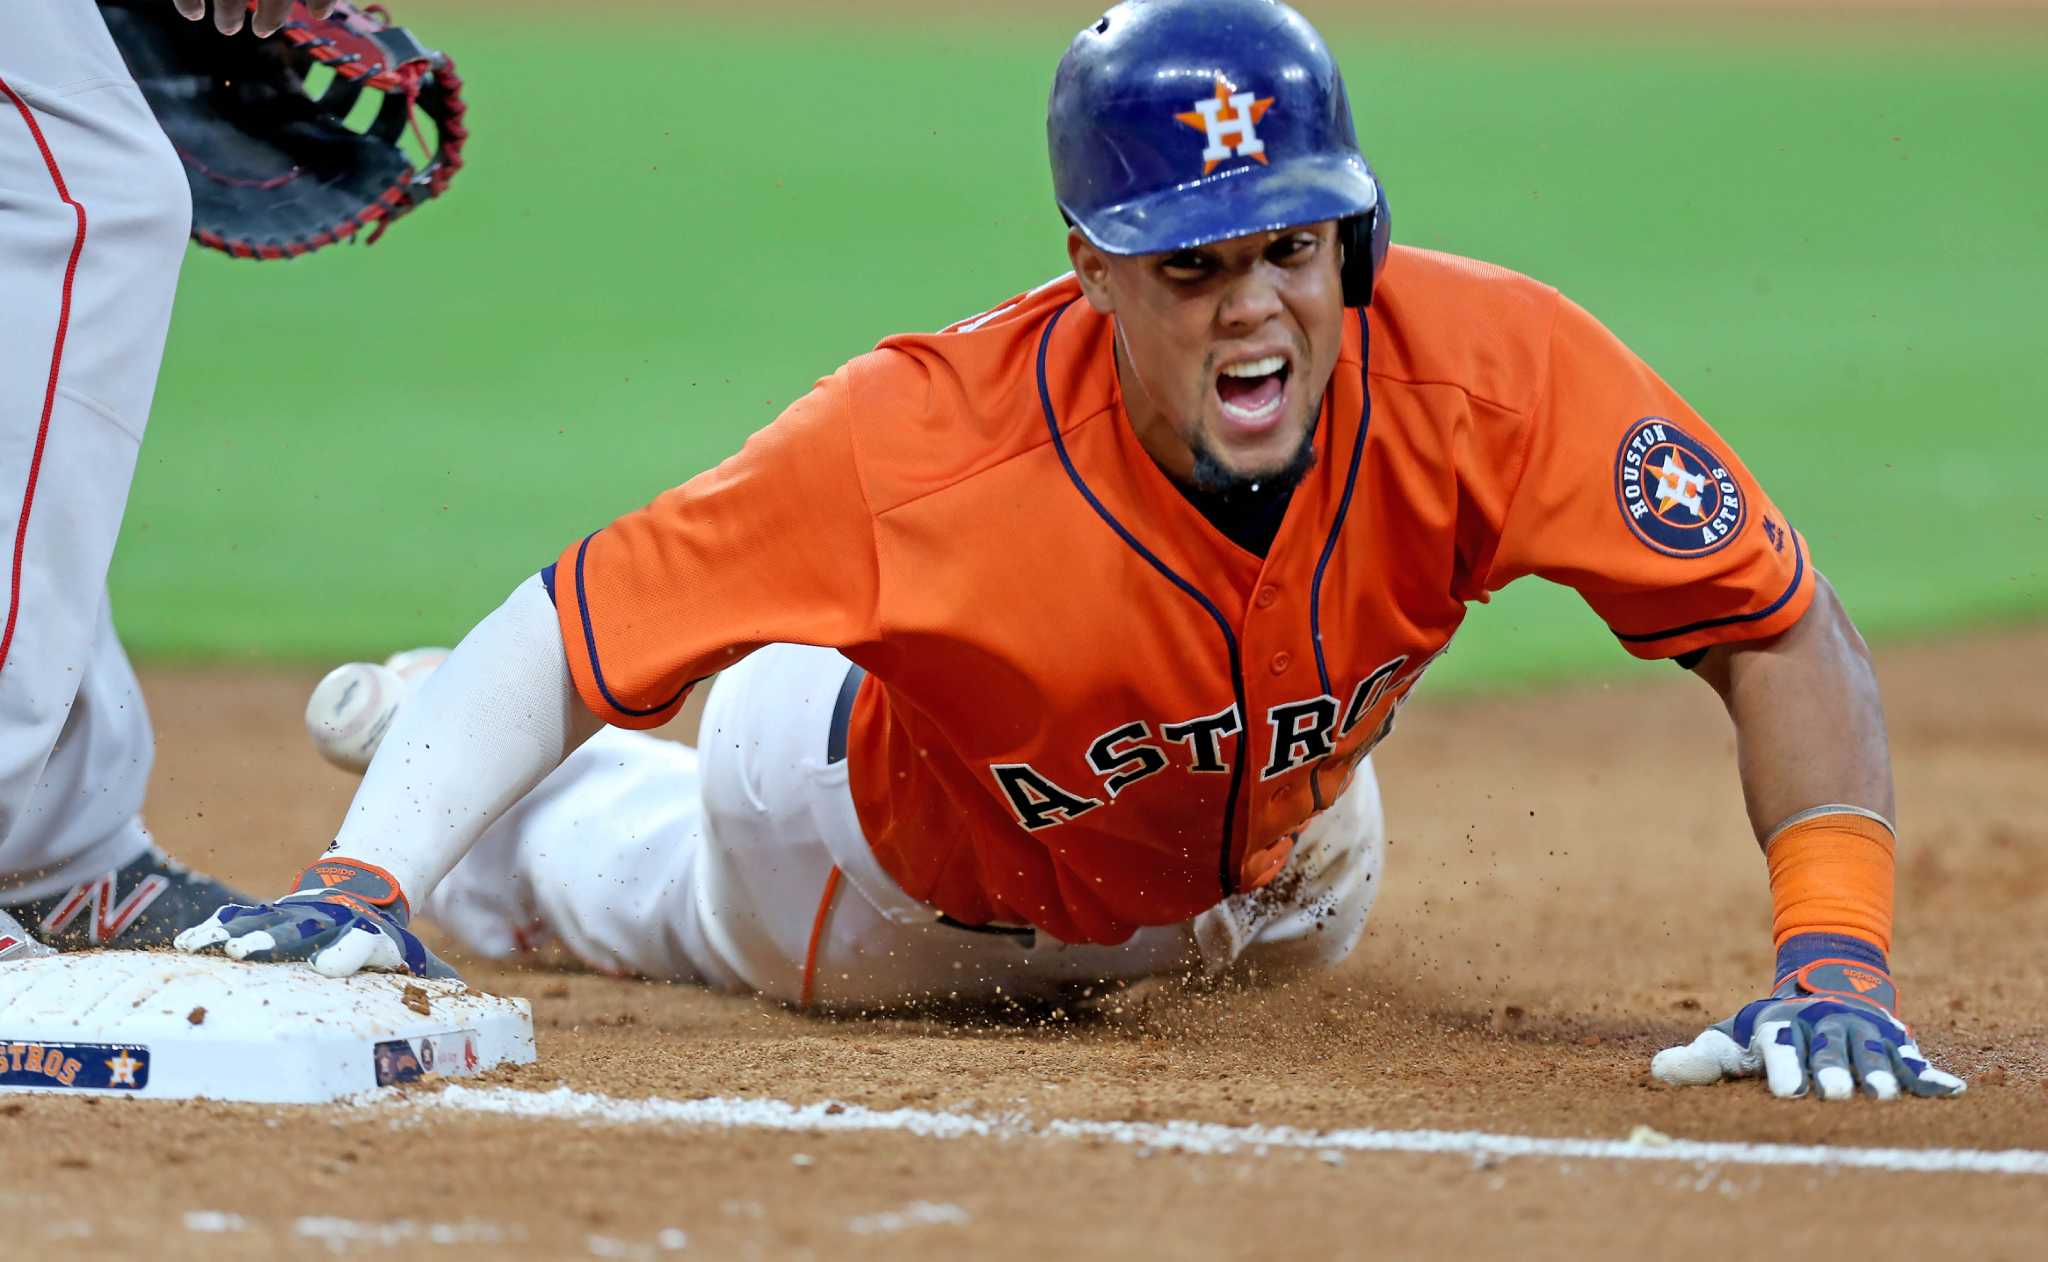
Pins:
x: 275, y: 172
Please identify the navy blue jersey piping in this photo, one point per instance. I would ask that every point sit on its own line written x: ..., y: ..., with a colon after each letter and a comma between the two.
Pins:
x: 1798, y: 575
x: 1315, y: 590
x: 590, y: 646
x: 1226, y: 869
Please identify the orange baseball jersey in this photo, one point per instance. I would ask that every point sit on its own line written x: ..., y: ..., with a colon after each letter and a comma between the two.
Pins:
x: 1087, y: 710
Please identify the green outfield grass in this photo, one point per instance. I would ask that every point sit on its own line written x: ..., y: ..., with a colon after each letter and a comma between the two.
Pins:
x: 1837, y: 249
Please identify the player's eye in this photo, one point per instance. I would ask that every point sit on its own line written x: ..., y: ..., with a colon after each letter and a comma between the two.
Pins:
x: 1187, y: 265
x: 1293, y: 249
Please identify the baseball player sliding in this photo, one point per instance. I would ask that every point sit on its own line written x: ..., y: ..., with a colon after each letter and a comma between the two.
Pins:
x: 94, y: 213
x: 1052, y: 647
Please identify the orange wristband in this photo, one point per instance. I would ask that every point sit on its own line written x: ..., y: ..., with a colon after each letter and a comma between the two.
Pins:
x: 1832, y: 874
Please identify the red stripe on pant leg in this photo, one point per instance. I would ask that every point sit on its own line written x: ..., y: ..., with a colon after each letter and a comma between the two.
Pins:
x: 803, y: 998
x: 35, y: 464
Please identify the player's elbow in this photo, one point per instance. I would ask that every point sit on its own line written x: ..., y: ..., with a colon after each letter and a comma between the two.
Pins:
x: 1825, y: 638
x: 1827, y: 631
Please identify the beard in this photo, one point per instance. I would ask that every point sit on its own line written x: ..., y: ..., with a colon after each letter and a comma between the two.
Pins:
x: 1211, y: 476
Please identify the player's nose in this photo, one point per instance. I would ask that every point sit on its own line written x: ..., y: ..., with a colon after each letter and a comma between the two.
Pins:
x: 1248, y: 302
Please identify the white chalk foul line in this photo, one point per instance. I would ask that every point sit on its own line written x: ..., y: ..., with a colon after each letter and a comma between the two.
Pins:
x: 1198, y: 1137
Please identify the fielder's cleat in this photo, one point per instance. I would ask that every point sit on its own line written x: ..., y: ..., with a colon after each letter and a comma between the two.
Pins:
x: 15, y: 942
x: 144, y: 904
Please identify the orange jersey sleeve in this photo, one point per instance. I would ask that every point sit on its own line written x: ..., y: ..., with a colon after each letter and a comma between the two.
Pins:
x: 1623, y: 493
x: 774, y: 545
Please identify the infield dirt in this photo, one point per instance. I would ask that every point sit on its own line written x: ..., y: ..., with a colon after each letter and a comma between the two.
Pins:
x: 1572, y: 886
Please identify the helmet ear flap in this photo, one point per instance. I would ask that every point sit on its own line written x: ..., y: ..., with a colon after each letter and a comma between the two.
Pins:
x: 1364, y: 239
x: 1354, y: 235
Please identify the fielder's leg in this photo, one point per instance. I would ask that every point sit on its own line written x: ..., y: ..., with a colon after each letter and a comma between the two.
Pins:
x: 94, y: 212
x: 105, y: 883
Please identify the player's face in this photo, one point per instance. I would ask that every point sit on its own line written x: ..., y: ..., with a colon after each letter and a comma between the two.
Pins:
x: 1224, y: 349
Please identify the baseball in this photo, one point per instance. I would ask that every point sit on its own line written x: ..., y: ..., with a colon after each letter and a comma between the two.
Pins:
x: 414, y: 665
x: 349, y: 711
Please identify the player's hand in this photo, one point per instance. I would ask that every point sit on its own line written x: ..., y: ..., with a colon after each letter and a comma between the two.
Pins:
x: 269, y: 14
x: 1829, y: 1027
x: 344, y: 916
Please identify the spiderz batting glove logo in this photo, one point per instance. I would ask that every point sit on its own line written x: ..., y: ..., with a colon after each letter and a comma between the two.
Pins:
x: 1831, y: 1024
x: 344, y: 916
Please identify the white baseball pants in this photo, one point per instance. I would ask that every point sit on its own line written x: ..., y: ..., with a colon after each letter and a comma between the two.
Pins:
x: 94, y: 212
x: 740, y: 865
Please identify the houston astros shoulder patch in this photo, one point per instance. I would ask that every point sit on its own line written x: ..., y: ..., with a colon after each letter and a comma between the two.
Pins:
x: 1675, y: 492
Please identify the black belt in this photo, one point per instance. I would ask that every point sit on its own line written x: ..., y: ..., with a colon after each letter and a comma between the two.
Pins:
x: 1007, y: 931
x: 842, y: 715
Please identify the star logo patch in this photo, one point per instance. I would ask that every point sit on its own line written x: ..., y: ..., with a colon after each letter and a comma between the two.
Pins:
x: 1678, y: 485
x: 1677, y: 494
x: 121, y: 1070
x: 1231, y: 121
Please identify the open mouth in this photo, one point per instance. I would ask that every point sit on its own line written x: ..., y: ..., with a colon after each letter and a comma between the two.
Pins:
x: 1253, y: 391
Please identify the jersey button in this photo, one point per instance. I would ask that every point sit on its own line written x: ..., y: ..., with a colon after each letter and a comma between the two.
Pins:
x: 1267, y: 595
x: 1281, y: 661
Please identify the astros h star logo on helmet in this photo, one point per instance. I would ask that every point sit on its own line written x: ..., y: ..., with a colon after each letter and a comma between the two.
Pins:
x: 1229, y: 116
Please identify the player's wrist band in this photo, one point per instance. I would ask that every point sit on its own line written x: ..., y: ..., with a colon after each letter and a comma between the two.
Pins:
x: 1831, y: 873
x: 1803, y: 950
x: 1860, y: 976
x: 362, y: 885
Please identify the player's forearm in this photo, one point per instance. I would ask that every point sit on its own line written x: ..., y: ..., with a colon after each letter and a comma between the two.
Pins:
x: 488, y: 725
x: 1809, y: 728
x: 1816, y: 773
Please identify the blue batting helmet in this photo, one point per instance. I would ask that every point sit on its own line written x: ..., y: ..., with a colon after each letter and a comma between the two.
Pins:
x: 1175, y: 123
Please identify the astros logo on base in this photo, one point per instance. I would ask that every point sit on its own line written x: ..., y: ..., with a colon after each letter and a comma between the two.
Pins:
x: 1676, y: 494
x: 84, y: 1066
x: 121, y: 1070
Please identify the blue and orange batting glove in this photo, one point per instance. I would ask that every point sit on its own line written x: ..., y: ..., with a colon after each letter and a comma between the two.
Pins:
x: 1831, y: 1025
x: 343, y: 917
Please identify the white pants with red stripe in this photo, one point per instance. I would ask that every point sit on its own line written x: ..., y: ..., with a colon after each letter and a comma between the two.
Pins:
x: 94, y: 211
x: 740, y: 864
